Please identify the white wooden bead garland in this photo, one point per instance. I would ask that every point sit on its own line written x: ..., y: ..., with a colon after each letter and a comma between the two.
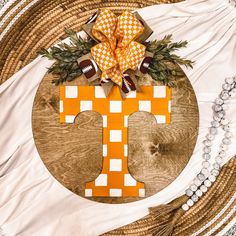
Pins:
x: 208, y: 175
x: 233, y: 2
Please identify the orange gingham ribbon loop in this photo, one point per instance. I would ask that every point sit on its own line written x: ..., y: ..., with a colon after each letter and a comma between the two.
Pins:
x: 117, y: 51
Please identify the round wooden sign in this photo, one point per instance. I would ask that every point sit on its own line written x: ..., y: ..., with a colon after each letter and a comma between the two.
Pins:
x: 73, y: 153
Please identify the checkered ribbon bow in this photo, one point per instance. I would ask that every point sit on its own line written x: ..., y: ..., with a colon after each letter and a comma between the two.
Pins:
x: 117, y: 51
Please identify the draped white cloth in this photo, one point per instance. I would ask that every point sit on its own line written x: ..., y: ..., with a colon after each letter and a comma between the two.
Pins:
x: 32, y: 202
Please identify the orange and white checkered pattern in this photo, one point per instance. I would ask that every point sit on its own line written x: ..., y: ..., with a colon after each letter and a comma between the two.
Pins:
x: 105, y: 26
x: 128, y: 28
x: 114, y: 179
x: 115, y: 58
x: 105, y: 57
x: 130, y: 57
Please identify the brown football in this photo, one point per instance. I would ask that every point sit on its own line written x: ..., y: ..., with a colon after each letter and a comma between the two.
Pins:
x: 88, y: 67
x: 128, y: 84
x: 143, y: 66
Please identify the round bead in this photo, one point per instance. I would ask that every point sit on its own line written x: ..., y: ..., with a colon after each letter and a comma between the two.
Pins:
x: 206, y: 156
x: 185, y: 207
x: 193, y: 187
x: 226, y: 141
x: 232, y: 93
x: 229, y: 80
x: 217, y: 108
x: 201, y: 177
x: 212, y: 178
x: 206, y: 164
x: 221, y: 114
x: 226, y: 128
x: 190, y: 202
x: 197, y: 182
x: 228, y: 134
x: 215, y: 172
x: 210, y: 137
x: 224, y: 121
x: 207, y: 143
x: 226, y: 102
x: 223, y: 147
x: 189, y: 192
x: 205, y: 172
x: 199, y: 193
x: 203, y: 188
x: 226, y: 86
x: 194, y: 198
x: 225, y: 107
x: 215, y: 123
x: 216, y: 117
x: 213, y: 131
x: 224, y: 95
x: 219, y: 159
x: 207, y: 183
x: 219, y: 101
x: 206, y: 149
x: 216, y: 166
x: 222, y: 153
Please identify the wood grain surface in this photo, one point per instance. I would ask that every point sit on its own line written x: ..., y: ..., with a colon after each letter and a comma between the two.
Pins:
x: 73, y: 152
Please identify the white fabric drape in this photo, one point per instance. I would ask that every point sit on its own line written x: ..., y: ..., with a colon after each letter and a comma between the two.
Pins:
x: 32, y: 202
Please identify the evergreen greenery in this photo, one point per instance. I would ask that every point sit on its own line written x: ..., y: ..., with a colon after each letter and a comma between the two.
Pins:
x: 65, y: 55
x: 164, y: 64
x: 163, y: 67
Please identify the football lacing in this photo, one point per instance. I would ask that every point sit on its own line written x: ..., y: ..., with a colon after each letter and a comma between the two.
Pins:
x: 126, y: 84
x: 145, y: 64
x: 87, y: 68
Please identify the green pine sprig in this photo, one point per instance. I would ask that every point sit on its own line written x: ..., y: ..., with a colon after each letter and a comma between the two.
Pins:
x: 65, y: 67
x: 163, y: 67
x: 164, y: 64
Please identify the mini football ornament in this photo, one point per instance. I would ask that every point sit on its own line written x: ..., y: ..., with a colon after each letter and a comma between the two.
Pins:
x: 128, y: 84
x: 89, y: 67
x: 145, y: 63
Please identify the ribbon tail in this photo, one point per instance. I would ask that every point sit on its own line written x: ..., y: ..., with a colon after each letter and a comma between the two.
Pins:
x: 88, y: 26
x: 138, y: 89
x: 147, y: 30
x: 107, y: 87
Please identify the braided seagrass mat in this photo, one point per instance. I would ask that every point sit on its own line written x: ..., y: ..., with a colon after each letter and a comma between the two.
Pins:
x: 27, y: 26
x: 200, y: 214
x: 40, y: 23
